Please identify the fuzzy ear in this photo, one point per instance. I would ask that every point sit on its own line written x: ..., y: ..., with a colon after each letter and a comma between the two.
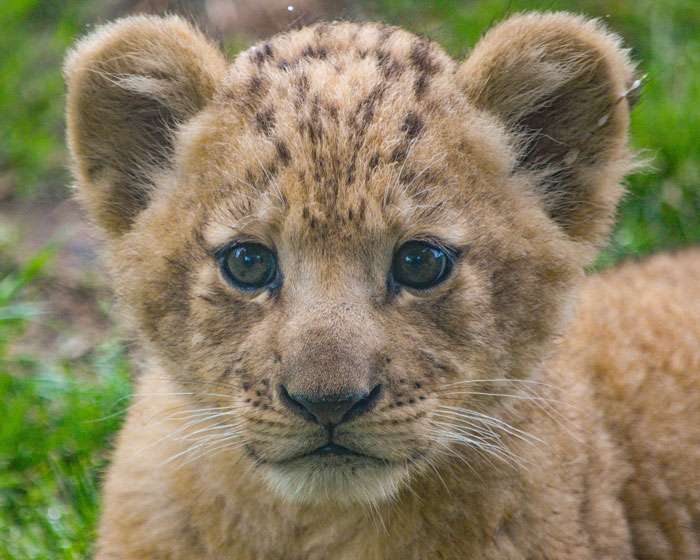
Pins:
x: 130, y: 84
x: 560, y: 83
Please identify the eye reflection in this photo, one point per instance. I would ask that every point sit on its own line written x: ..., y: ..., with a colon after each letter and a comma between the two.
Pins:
x: 249, y: 265
x: 420, y: 265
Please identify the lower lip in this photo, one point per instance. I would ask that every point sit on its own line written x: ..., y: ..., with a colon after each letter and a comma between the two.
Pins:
x: 332, y: 450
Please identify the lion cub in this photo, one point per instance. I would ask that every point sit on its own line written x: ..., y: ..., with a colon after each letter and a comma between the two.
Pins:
x: 353, y: 262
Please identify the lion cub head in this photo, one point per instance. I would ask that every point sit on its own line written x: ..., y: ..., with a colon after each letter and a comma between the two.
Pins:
x: 347, y: 241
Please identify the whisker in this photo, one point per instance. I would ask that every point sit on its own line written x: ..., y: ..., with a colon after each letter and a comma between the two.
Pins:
x: 218, y: 426
x: 437, y: 473
x: 497, y: 451
x: 407, y: 481
x: 174, y: 433
x: 189, y: 449
x: 544, y: 404
x: 213, y: 439
x: 559, y: 419
x: 501, y: 380
x: 204, y: 382
x: 187, y: 414
x: 510, y: 396
x: 447, y: 450
x: 496, y: 422
x: 210, y: 453
x: 466, y: 434
x: 466, y: 437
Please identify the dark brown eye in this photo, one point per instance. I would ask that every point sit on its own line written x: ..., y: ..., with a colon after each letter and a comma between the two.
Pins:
x: 249, y: 265
x: 420, y: 265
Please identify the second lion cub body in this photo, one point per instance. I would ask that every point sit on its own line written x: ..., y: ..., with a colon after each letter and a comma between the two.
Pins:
x: 356, y: 266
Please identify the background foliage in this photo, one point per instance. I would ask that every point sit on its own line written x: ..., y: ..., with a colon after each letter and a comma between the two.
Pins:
x: 64, y: 378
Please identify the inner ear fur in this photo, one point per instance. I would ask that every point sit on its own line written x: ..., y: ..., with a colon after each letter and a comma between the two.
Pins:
x: 560, y: 82
x: 130, y: 84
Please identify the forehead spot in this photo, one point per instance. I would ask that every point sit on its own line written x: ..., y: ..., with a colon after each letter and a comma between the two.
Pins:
x: 260, y: 55
x: 255, y: 86
x: 265, y: 120
x: 282, y: 152
x: 310, y: 52
x: 426, y: 66
x: 385, y: 31
x: 366, y: 107
x: 389, y: 67
x: 421, y: 57
x: 412, y: 125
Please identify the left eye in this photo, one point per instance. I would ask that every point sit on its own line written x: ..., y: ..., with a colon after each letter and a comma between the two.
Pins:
x: 249, y: 265
x: 420, y: 265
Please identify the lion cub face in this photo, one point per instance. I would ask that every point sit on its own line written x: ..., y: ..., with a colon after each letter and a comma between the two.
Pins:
x: 346, y: 243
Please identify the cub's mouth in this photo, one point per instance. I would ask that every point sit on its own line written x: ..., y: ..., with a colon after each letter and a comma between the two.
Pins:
x: 333, y: 450
x: 329, y: 451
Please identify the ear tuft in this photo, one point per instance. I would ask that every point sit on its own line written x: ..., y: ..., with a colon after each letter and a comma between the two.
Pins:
x: 560, y: 83
x: 130, y: 84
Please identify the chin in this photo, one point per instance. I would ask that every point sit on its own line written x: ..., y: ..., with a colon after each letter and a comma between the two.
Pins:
x: 343, y: 481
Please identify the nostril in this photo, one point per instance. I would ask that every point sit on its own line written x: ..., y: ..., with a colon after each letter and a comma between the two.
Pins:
x: 295, y: 406
x: 365, y: 404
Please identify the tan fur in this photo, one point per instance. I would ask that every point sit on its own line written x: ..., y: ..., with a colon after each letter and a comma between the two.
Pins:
x: 512, y: 423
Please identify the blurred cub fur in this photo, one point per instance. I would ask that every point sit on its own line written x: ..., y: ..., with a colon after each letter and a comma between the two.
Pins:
x: 356, y: 267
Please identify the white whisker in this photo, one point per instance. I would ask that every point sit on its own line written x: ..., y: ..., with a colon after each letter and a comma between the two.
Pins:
x: 193, y: 448
x: 507, y: 395
x: 211, y: 453
x: 485, y: 449
x: 501, y: 380
x: 495, y: 422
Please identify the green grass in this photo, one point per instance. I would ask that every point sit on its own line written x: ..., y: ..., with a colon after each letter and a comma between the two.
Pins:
x: 33, y: 37
x: 56, y: 420
x: 57, y: 415
x: 54, y: 432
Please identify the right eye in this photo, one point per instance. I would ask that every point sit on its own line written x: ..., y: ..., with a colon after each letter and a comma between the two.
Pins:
x: 420, y: 265
x: 249, y: 265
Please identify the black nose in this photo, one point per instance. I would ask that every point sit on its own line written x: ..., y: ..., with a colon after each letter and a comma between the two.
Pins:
x: 330, y: 410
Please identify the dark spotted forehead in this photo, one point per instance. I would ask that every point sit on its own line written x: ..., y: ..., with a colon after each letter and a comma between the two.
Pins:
x: 396, y: 54
x: 325, y: 107
x: 303, y: 74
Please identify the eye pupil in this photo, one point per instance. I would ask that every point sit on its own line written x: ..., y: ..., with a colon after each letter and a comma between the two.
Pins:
x: 420, y: 265
x: 249, y: 265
